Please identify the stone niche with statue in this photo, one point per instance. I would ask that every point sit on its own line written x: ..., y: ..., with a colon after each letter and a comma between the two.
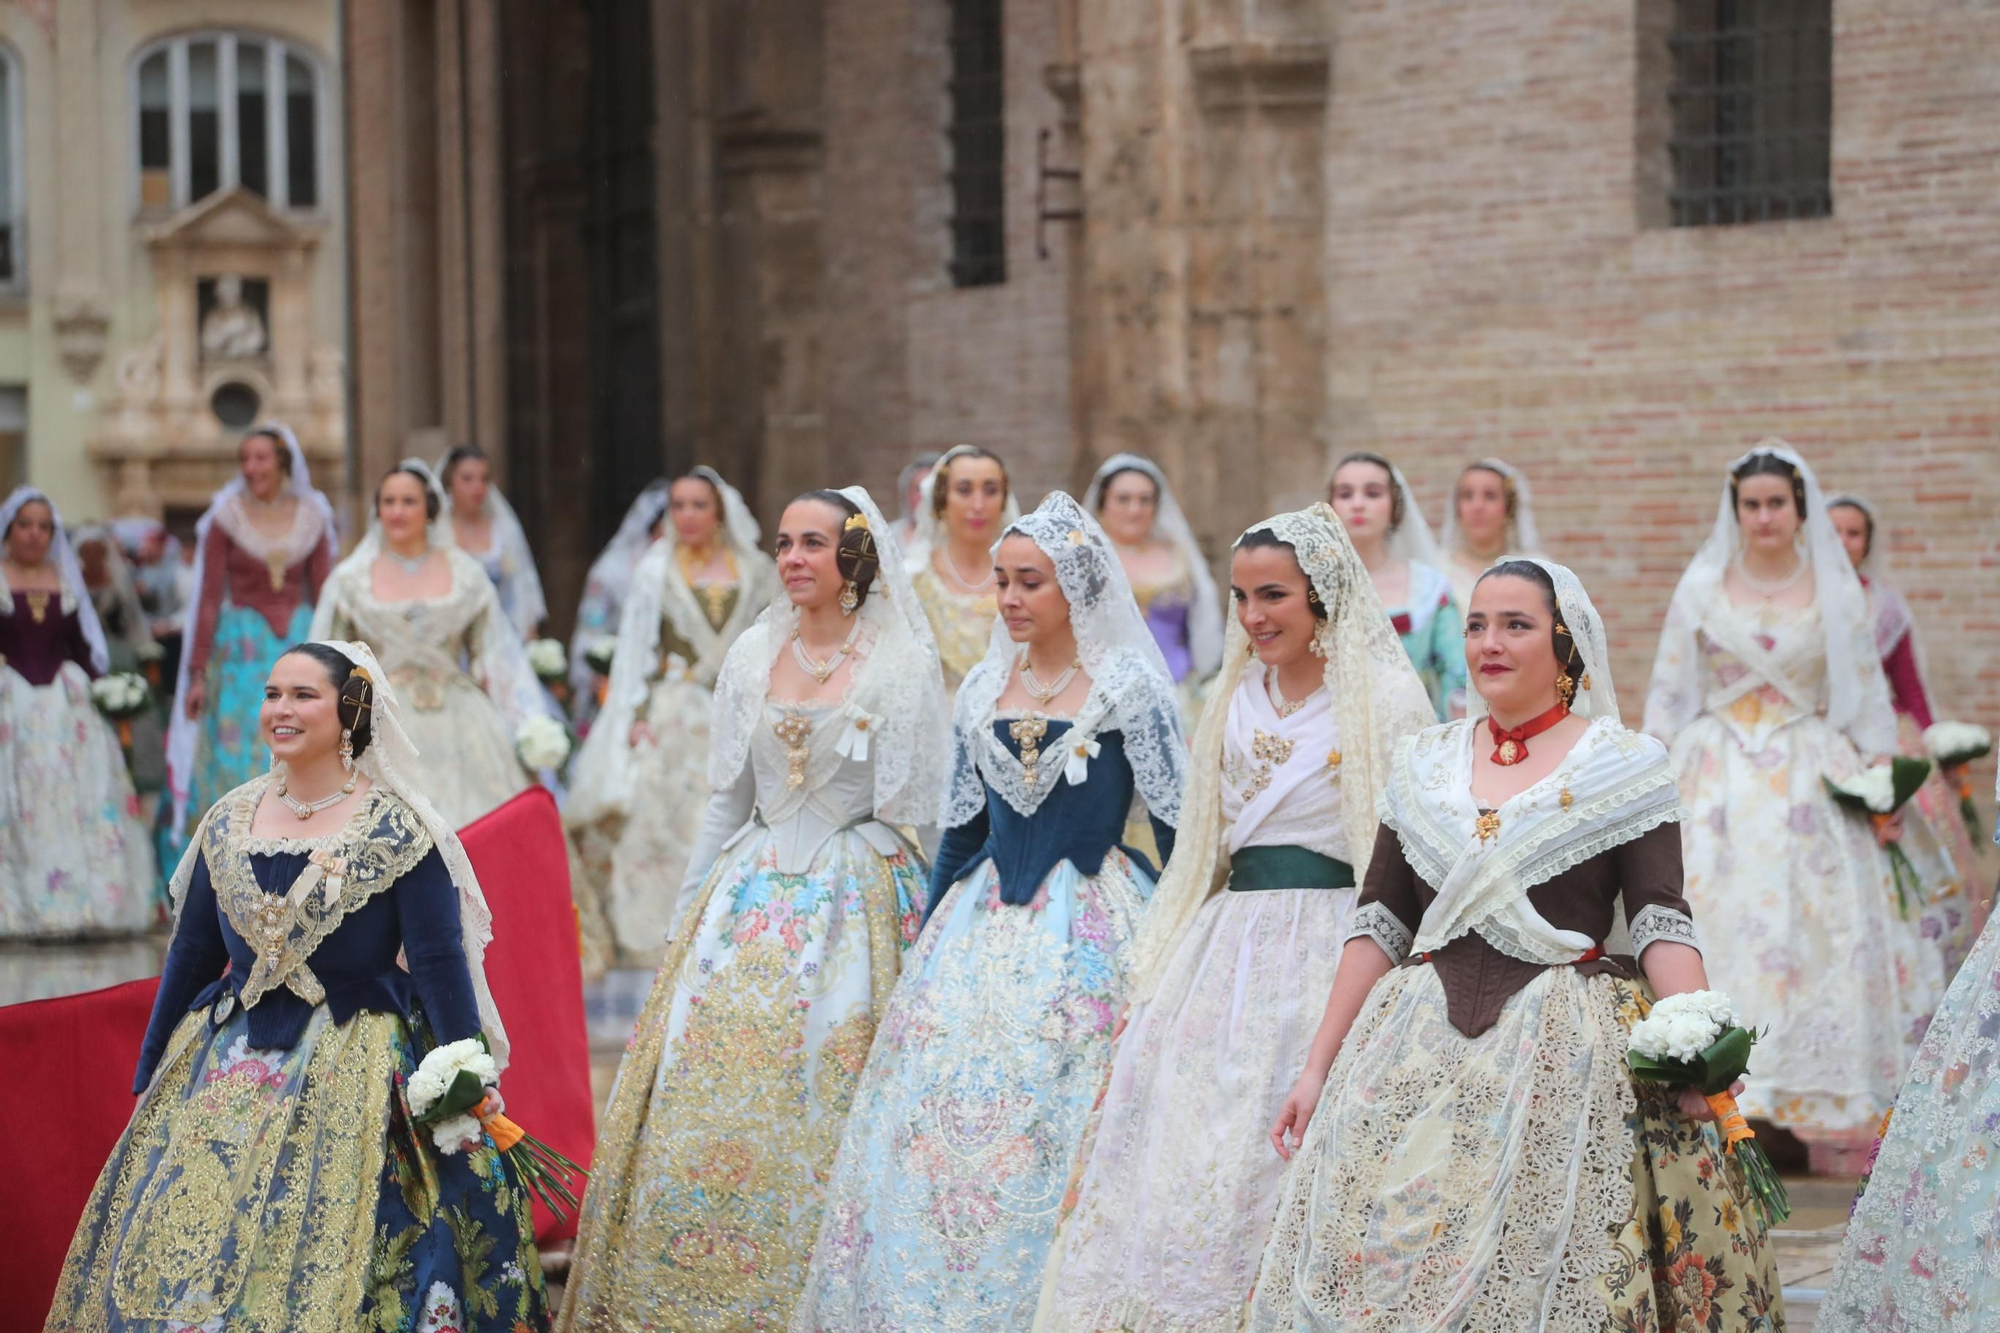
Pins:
x: 232, y: 346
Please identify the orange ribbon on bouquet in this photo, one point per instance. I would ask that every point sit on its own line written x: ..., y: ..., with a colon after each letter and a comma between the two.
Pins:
x: 1729, y: 1119
x: 504, y: 1131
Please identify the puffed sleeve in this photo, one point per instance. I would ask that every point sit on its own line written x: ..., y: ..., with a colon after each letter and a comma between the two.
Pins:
x: 1388, y: 911
x: 196, y: 957
x: 434, y: 945
x: 1650, y: 882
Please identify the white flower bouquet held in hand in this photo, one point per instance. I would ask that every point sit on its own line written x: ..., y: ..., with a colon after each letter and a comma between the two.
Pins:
x: 542, y: 742
x: 599, y: 654
x: 451, y: 1095
x: 1694, y: 1040
x: 1954, y: 745
x: 1878, y: 793
x: 549, y: 661
x: 121, y: 696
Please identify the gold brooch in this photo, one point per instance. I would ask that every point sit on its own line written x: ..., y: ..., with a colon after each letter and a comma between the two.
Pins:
x: 1487, y: 825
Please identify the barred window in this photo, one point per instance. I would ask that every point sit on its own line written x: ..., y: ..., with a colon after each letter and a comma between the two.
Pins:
x: 1751, y: 105
x: 977, y: 133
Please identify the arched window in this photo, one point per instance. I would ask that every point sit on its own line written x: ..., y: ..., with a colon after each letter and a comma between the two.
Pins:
x: 13, y: 204
x: 219, y: 109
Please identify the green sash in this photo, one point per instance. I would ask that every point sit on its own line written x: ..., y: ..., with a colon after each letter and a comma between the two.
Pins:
x: 1287, y: 867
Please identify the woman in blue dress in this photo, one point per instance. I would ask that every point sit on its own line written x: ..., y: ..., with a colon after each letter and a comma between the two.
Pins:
x: 272, y: 1176
x: 968, y: 1116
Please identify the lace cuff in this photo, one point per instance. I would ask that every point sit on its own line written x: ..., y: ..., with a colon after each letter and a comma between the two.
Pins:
x: 1378, y: 923
x: 1655, y: 923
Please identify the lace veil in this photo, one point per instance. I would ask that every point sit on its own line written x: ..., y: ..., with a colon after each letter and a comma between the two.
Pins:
x: 531, y: 607
x: 390, y: 763
x: 1890, y: 613
x: 896, y: 680
x: 1376, y: 697
x: 1171, y: 525
x: 1523, y: 536
x: 1857, y: 692
x: 1129, y: 681
x: 929, y: 527
x: 314, y: 524
x: 124, y: 587
x: 611, y: 573
x: 1586, y: 630
x: 67, y: 567
x: 660, y: 592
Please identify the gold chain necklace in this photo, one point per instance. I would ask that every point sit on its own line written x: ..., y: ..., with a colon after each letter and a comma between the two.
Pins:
x: 1286, y: 707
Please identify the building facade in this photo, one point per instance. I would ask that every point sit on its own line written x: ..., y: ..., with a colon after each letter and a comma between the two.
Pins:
x: 805, y: 241
x: 172, y: 244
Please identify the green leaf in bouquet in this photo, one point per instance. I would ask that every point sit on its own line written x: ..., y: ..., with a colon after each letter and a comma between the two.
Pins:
x: 465, y: 1092
x: 1725, y: 1061
x: 1908, y: 775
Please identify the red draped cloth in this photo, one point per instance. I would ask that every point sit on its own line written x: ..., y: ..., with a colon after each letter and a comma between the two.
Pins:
x: 66, y: 1065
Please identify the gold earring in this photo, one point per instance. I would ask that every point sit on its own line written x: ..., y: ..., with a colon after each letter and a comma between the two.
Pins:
x: 850, y: 598
x: 347, y: 749
x: 1565, y: 688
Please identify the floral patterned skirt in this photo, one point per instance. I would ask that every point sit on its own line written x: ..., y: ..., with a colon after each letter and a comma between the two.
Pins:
x: 228, y: 748
x: 1179, y: 1182
x: 1800, y: 918
x: 288, y: 1192
x: 1514, y: 1180
x: 1957, y: 886
x: 1919, y: 1253
x: 945, y: 1196
x: 74, y: 855
x: 635, y: 863
x: 706, y: 1182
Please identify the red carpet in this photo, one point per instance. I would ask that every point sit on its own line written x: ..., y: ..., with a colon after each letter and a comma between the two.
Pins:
x: 67, y: 1088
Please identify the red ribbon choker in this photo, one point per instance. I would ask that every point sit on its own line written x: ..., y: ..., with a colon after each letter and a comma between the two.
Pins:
x: 1511, y: 747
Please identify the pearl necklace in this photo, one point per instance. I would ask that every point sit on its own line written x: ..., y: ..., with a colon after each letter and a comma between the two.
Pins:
x: 959, y: 578
x: 820, y: 671
x: 1770, y: 589
x: 1043, y: 693
x: 307, y: 809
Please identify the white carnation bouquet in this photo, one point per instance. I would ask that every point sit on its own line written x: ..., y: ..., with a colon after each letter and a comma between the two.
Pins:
x: 449, y: 1094
x: 1693, y: 1039
x: 542, y: 742
x: 1954, y: 745
x: 1879, y: 792
x: 122, y: 695
x: 548, y: 659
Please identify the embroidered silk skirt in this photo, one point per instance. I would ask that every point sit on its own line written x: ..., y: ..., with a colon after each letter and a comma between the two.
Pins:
x: 288, y: 1192
x: 228, y: 749
x: 1179, y: 1182
x: 957, y: 1153
x: 74, y: 856
x: 706, y: 1184
x: 1919, y: 1252
x: 1514, y: 1180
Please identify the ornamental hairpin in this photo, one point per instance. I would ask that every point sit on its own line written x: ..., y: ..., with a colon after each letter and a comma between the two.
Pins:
x: 856, y: 521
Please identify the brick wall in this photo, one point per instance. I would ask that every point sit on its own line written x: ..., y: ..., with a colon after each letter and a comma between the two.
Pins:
x: 1491, y: 289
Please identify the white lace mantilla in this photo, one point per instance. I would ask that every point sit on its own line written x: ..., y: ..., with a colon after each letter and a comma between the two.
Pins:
x: 1126, y: 696
x: 1613, y: 786
x: 895, y: 693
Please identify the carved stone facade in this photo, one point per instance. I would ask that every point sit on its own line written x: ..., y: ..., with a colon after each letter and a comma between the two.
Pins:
x: 142, y: 144
x: 233, y: 345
